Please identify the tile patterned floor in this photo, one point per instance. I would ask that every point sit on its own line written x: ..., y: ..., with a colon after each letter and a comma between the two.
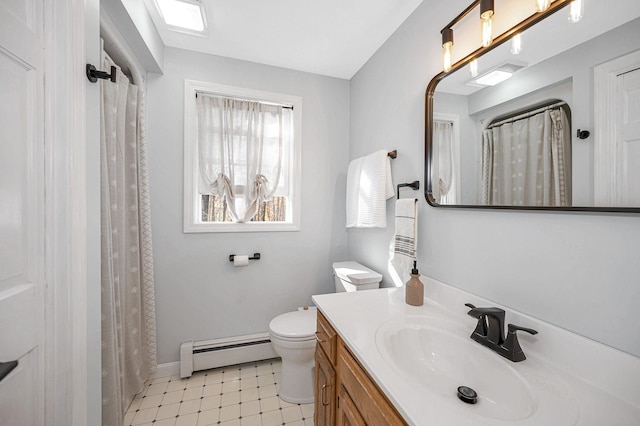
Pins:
x: 242, y: 394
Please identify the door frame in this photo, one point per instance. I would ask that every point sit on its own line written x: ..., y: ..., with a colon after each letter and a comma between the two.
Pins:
x: 605, y: 127
x: 72, y: 211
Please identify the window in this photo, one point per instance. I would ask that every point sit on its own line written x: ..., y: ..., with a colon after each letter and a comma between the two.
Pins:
x: 242, y: 159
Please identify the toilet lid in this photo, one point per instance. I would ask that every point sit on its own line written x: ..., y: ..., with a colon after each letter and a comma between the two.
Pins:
x: 297, y: 324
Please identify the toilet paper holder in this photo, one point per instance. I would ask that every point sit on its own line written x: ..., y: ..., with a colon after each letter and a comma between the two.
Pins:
x: 256, y: 256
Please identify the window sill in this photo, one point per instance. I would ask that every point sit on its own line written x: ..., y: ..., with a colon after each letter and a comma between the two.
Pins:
x: 240, y: 227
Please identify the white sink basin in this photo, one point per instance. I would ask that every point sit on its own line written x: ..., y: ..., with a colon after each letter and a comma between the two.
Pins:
x: 438, y: 356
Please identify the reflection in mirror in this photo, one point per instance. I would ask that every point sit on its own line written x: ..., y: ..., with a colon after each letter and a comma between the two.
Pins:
x: 526, y: 158
x: 514, y: 143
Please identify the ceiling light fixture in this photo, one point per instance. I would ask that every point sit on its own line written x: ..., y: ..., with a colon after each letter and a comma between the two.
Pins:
x: 182, y: 15
x: 492, y: 78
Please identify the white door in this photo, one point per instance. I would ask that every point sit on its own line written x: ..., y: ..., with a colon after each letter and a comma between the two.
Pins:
x: 21, y: 213
x: 628, y: 161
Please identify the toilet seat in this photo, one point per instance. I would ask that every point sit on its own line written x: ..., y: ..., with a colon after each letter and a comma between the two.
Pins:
x: 294, y: 326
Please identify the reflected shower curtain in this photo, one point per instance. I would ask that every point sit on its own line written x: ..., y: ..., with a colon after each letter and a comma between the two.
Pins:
x: 527, y: 162
x: 128, y: 311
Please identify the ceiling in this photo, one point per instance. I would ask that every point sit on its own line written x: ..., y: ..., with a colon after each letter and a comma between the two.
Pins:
x: 330, y: 37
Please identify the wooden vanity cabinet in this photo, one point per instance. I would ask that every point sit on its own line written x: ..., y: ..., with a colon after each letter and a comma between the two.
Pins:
x: 325, y: 398
x: 325, y: 393
x: 345, y: 394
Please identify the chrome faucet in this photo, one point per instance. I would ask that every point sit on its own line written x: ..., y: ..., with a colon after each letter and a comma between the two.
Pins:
x: 489, y: 332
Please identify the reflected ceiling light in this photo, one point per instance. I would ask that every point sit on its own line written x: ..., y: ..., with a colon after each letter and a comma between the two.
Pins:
x: 516, y: 44
x: 447, y: 44
x: 473, y: 68
x: 576, y: 10
x: 486, y: 17
x: 182, y: 14
x: 492, y: 78
x: 498, y: 74
x: 542, y: 5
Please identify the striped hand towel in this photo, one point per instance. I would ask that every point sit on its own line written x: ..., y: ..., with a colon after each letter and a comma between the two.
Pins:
x: 406, y: 238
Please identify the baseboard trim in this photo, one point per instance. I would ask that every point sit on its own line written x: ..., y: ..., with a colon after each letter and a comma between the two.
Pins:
x: 167, y: 369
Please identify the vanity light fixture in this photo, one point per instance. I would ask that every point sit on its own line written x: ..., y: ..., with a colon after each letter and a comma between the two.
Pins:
x: 542, y: 5
x: 487, y: 11
x: 473, y: 68
x: 516, y: 44
x: 486, y: 18
x: 183, y: 15
x: 576, y: 10
x: 447, y: 44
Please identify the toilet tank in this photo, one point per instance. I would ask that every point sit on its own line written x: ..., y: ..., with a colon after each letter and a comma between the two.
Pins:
x: 352, y: 276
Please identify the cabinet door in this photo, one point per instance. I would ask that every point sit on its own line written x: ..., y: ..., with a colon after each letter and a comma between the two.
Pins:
x: 348, y: 414
x: 364, y: 394
x: 325, y: 395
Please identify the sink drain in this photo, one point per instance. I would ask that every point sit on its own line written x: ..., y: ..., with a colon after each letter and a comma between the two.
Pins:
x: 468, y: 395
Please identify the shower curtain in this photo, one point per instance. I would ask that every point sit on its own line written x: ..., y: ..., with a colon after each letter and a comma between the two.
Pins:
x: 527, y: 161
x: 128, y: 310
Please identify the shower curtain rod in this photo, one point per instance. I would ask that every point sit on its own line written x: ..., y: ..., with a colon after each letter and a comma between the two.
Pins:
x: 122, y: 54
x: 526, y: 114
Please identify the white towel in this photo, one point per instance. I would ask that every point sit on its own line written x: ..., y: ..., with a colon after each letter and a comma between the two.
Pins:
x: 405, y: 240
x: 369, y: 185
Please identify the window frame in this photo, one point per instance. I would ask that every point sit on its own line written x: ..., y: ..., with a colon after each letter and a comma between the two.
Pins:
x: 192, y: 222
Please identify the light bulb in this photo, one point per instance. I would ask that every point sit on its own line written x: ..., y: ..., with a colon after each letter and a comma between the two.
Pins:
x: 473, y: 68
x: 516, y: 44
x: 487, y: 36
x: 542, y: 5
x: 576, y: 11
x: 446, y: 56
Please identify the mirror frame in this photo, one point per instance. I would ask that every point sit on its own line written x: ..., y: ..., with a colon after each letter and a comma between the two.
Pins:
x: 502, y: 38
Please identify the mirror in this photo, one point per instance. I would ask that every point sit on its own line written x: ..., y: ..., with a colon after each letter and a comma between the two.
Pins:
x: 562, y: 133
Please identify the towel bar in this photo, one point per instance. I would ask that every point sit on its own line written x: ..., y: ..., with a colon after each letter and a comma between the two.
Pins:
x: 393, y: 154
x: 415, y: 185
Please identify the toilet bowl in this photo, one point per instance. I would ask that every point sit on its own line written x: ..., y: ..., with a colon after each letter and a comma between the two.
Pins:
x: 293, y: 334
x: 293, y: 337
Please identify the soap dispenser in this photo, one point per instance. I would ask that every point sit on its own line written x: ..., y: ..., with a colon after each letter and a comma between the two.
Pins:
x: 414, y: 289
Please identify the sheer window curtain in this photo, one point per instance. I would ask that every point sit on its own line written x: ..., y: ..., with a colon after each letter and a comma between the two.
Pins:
x: 241, y: 146
x: 527, y: 162
x: 128, y: 310
x: 445, y: 163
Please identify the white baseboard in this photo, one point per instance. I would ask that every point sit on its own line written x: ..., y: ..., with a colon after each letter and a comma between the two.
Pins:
x: 167, y: 369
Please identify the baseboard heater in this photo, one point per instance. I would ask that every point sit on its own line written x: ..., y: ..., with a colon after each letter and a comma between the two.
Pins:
x: 206, y: 354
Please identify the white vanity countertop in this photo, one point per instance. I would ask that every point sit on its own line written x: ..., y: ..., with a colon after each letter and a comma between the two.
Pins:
x: 603, y: 382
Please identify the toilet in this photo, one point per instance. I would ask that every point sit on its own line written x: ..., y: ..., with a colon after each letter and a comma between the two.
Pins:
x: 294, y: 339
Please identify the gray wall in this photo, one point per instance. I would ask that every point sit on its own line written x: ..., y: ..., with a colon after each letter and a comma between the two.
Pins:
x: 199, y: 294
x: 578, y: 271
